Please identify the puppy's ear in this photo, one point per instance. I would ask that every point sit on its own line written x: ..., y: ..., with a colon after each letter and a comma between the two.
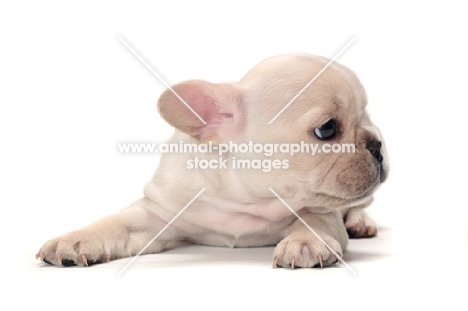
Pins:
x: 219, y: 105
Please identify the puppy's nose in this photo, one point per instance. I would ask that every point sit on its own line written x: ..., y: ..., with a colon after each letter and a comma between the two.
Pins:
x: 374, y: 147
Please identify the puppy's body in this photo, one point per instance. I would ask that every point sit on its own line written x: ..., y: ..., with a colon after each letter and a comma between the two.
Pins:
x: 237, y: 208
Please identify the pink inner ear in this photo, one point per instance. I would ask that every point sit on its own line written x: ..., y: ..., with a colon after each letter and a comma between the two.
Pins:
x: 217, y: 104
x: 207, y: 109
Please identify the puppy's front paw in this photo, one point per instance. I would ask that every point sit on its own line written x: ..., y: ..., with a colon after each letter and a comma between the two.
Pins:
x: 306, y: 250
x: 359, y: 225
x: 78, y: 248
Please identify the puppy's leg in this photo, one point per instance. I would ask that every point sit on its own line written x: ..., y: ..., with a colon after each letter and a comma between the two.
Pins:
x: 116, y: 236
x: 302, y: 248
x: 358, y: 223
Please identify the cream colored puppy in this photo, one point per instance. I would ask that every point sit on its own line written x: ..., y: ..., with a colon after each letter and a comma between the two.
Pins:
x: 238, y: 209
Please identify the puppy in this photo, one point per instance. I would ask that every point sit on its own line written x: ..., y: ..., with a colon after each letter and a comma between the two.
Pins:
x: 246, y: 207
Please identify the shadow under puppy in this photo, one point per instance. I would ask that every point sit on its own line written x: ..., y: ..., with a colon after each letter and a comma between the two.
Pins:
x: 237, y: 208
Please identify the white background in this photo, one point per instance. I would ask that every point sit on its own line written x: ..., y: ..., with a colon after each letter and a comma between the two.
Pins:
x: 70, y: 92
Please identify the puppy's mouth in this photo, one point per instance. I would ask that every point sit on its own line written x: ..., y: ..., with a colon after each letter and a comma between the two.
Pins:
x: 382, y: 172
x: 368, y: 192
x: 349, y: 196
x: 380, y: 178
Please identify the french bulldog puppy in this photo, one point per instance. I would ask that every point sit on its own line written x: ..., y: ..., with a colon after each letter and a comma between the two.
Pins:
x: 238, y: 207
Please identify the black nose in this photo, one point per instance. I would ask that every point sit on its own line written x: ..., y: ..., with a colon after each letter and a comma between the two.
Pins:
x: 374, y: 147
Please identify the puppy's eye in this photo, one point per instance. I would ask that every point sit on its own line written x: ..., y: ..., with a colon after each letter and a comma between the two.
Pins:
x: 326, y: 130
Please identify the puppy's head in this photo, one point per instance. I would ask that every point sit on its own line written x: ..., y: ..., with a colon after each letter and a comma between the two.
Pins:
x: 331, y: 111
